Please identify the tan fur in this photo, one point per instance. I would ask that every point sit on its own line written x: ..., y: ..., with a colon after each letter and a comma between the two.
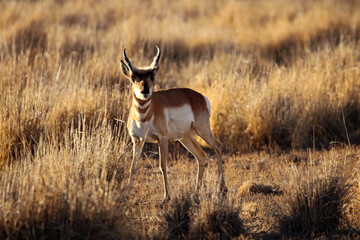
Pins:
x: 174, y: 97
x: 170, y: 114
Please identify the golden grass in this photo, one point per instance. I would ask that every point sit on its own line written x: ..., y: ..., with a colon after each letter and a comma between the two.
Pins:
x: 282, y: 78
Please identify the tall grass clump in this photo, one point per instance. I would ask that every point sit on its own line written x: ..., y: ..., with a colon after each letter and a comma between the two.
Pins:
x: 316, y: 201
x: 204, y: 215
x: 178, y: 217
x: 71, y: 190
x: 352, y: 211
x: 216, y: 218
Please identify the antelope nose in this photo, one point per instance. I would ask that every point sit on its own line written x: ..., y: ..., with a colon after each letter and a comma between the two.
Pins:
x: 145, y: 91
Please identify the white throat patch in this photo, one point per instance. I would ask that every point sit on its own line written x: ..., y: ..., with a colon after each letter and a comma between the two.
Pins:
x: 141, y: 116
x: 139, y: 106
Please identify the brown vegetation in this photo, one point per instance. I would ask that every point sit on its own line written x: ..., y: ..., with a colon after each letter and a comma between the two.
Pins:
x: 283, y: 79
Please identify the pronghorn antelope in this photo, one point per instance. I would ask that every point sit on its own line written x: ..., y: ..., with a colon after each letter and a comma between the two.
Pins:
x: 171, y: 114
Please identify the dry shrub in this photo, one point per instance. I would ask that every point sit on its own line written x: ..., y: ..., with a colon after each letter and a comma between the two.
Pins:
x: 223, y: 224
x: 352, y: 210
x: 191, y: 217
x: 216, y: 220
x: 178, y: 218
x: 273, y: 122
x: 316, y: 203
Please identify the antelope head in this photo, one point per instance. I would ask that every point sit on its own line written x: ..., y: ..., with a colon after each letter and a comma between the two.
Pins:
x: 142, y: 79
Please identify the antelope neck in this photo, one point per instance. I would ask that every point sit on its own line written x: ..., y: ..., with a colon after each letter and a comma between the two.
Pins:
x: 141, y: 105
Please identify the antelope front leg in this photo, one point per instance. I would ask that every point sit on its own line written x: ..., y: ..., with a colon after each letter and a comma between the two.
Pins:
x: 163, y: 150
x: 137, y: 148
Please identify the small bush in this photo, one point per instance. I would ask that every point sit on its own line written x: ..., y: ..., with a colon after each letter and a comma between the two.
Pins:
x: 178, y: 219
x: 315, y: 207
x: 225, y: 223
x: 190, y: 219
x: 216, y: 220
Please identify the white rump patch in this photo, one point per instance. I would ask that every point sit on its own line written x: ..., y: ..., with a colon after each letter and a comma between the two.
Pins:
x: 179, y: 120
x: 208, y: 105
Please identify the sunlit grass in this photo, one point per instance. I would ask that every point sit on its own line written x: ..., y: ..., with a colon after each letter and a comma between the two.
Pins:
x: 283, y: 79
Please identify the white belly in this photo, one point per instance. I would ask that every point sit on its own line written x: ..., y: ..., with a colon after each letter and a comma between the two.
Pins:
x: 178, y: 124
x: 178, y: 121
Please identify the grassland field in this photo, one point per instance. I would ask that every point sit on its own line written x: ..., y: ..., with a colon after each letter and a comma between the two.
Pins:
x: 283, y: 79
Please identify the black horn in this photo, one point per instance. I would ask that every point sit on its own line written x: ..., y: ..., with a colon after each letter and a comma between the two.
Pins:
x: 128, y: 61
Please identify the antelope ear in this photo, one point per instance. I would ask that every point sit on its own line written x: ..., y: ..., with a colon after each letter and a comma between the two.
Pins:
x: 125, y: 69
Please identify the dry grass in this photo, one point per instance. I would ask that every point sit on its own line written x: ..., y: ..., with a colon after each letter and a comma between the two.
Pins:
x: 316, y: 203
x: 68, y: 190
x: 282, y: 77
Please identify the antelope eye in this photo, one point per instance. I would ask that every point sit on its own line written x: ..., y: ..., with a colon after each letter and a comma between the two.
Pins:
x: 133, y: 79
x: 152, y: 79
